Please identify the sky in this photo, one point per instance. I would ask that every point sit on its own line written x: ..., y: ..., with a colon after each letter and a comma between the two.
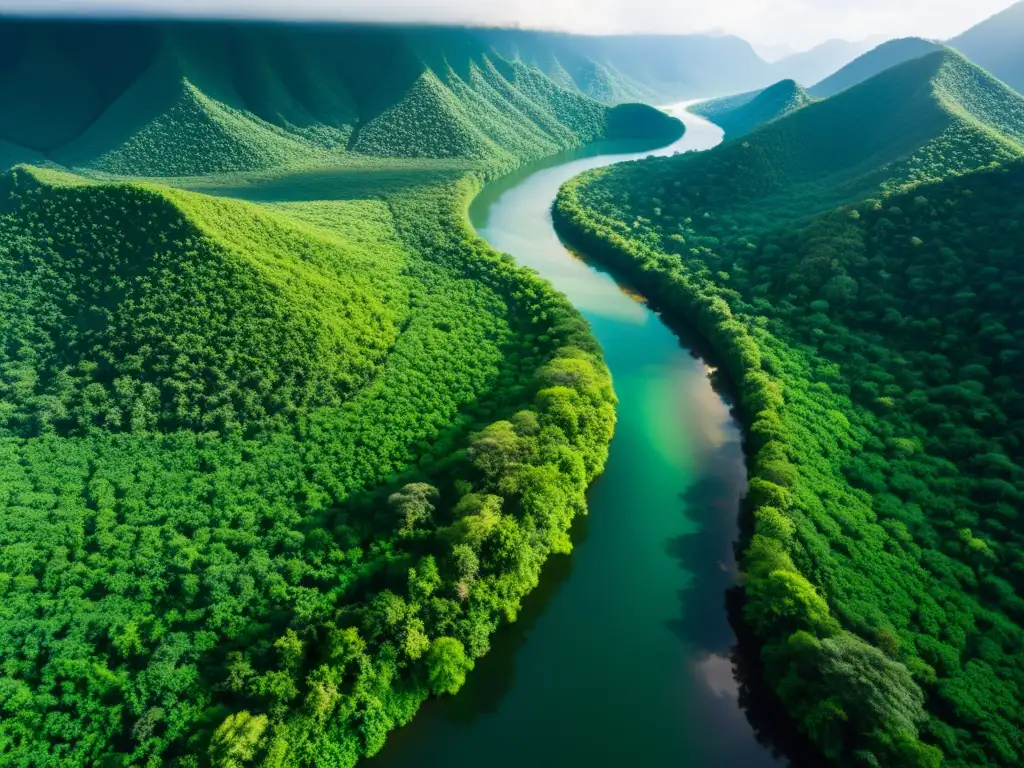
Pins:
x: 799, y: 24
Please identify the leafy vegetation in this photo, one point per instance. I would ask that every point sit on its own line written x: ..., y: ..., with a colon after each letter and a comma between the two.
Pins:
x: 278, y: 459
x: 268, y: 484
x: 877, y: 344
x: 740, y: 114
x: 887, y: 55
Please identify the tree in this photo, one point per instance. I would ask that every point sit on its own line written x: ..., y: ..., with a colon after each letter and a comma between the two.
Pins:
x: 237, y: 739
x: 447, y: 665
x: 413, y: 506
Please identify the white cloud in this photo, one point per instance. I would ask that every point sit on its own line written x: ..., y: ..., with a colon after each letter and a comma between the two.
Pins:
x: 800, y: 23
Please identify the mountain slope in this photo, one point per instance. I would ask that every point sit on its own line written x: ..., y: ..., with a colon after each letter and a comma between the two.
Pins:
x: 873, y: 62
x: 741, y: 114
x: 923, y: 119
x: 995, y: 44
x: 877, y: 346
x: 192, y: 99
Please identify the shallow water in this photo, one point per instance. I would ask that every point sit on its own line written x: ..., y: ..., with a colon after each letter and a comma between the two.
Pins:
x: 622, y: 655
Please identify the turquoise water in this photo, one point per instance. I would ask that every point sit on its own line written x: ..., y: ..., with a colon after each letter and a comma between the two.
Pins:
x: 622, y: 655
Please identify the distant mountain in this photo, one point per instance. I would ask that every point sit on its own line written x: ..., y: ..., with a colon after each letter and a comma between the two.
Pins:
x: 741, y: 114
x: 997, y: 44
x: 811, y: 66
x: 775, y: 52
x: 650, y: 67
x: 177, y: 99
x: 873, y: 62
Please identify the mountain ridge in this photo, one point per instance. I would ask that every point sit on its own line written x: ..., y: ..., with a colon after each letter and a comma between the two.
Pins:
x: 223, y: 97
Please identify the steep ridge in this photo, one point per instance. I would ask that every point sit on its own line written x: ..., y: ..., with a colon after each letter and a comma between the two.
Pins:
x: 923, y: 119
x: 193, y: 99
x: 875, y: 61
x: 136, y: 312
x: 741, y: 114
x: 883, y: 563
x: 995, y: 44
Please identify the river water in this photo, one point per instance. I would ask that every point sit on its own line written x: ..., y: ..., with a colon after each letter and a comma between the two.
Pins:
x: 621, y: 657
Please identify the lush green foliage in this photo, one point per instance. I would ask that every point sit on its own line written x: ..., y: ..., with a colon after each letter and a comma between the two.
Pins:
x: 878, y: 350
x: 273, y: 471
x: 995, y: 45
x: 737, y: 115
x: 171, y: 100
x: 272, y: 474
x: 872, y: 63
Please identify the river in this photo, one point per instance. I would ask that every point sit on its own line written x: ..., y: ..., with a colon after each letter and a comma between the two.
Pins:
x: 621, y: 657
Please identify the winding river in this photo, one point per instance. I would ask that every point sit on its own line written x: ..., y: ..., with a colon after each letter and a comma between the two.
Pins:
x: 622, y: 656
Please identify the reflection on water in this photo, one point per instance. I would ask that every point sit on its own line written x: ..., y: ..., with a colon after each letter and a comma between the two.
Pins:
x: 720, y: 676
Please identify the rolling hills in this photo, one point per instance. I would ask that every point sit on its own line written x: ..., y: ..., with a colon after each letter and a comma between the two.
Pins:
x: 871, y: 63
x: 995, y: 44
x: 174, y: 99
x: 855, y: 265
x: 741, y: 114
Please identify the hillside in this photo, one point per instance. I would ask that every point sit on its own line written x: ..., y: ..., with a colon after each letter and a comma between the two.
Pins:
x: 741, y: 114
x: 179, y: 99
x: 269, y: 458
x: 877, y: 349
x: 923, y: 119
x: 995, y: 44
x: 872, y: 63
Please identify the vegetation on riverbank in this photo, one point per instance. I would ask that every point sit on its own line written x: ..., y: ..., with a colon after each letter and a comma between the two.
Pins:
x: 878, y: 353
x: 275, y: 468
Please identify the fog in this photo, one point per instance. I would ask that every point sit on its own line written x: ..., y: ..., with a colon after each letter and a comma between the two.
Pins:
x: 796, y: 23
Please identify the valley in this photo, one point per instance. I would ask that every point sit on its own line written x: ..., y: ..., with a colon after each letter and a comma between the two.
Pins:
x: 411, y: 394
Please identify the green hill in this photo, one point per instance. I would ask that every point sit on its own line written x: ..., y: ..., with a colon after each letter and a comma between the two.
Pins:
x: 194, y: 99
x: 855, y: 265
x: 875, y: 61
x: 741, y: 114
x: 921, y: 120
x: 995, y: 44
x: 258, y: 459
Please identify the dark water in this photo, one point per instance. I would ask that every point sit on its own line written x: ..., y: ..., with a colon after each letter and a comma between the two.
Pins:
x: 622, y: 655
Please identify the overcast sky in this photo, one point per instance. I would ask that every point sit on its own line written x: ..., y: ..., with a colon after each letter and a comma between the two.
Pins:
x: 799, y: 23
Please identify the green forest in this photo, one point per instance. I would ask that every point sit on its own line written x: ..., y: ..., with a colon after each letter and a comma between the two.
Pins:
x: 861, y: 286
x: 283, y: 441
